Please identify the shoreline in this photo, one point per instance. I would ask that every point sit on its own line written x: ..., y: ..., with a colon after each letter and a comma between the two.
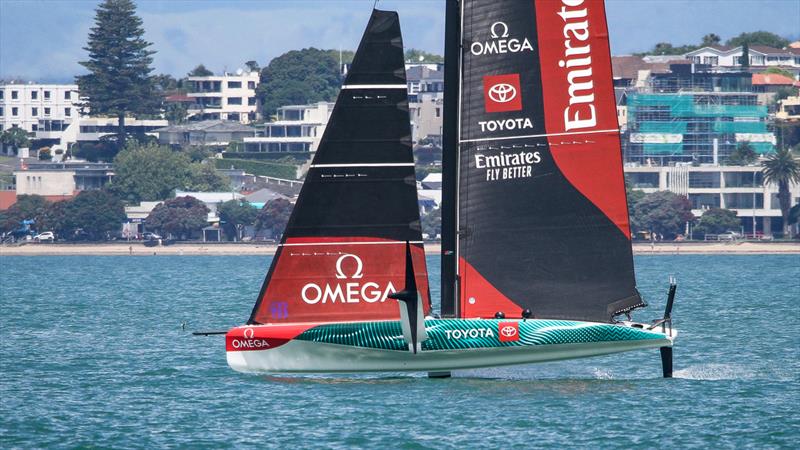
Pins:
x: 232, y: 249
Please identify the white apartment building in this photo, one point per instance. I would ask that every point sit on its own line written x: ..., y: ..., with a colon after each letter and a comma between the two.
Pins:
x: 299, y: 128
x: 225, y: 97
x: 61, y: 134
x: 24, y: 104
x: 724, y: 57
x: 426, y: 115
x: 738, y: 188
x: 63, y: 179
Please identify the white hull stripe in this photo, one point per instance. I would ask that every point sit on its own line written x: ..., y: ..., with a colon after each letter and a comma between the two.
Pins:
x: 374, y: 86
x: 571, y: 133
x: 320, y: 166
x: 301, y: 244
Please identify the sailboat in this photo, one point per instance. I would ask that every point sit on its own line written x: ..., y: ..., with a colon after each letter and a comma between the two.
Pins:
x: 536, y: 254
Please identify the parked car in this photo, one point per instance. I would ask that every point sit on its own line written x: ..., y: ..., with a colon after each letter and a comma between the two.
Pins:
x: 47, y: 236
x: 148, y: 236
x: 729, y: 236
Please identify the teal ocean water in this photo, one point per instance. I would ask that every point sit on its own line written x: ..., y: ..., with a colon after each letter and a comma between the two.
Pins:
x: 92, y: 354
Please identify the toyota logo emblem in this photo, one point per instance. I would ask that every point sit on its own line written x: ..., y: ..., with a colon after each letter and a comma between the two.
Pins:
x: 508, y: 331
x: 249, y: 333
x: 502, y: 93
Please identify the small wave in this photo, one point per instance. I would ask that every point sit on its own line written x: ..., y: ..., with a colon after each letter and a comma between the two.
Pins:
x: 602, y: 374
x: 714, y: 372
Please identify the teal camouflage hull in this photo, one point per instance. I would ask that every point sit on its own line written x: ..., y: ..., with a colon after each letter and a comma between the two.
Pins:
x: 452, y: 344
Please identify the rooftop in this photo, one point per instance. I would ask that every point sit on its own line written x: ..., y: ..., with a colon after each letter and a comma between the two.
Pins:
x: 207, y: 125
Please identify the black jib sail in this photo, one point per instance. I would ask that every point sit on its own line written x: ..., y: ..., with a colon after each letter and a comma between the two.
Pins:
x: 344, y: 249
x: 542, y: 218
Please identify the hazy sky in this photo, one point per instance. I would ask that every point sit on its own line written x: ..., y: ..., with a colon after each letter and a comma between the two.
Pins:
x: 42, y: 39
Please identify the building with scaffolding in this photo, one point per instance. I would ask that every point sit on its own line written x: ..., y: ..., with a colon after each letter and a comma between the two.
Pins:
x: 691, y: 115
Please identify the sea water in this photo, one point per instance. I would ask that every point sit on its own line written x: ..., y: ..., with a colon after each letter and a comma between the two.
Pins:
x: 98, y: 352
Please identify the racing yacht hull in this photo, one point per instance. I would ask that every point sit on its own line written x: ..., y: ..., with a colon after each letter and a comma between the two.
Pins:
x: 452, y: 344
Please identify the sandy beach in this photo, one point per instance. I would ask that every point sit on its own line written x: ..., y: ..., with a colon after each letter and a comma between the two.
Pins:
x: 137, y: 249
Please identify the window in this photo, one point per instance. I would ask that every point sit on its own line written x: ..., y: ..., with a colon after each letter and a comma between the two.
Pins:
x: 251, y: 85
x: 47, y: 111
x: 234, y: 84
x: 68, y: 112
x: 14, y: 95
x: 34, y: 111
x: 438, y: 112
x: 1, y: 111
x: 47, y: 95
x: 251, y: 101
x: 15, y: 111
x: 2, y: 94
x: 34, y: 95
x: 235, y: 101
x: 34, y: 127
x: 67, y: 95
x: 711, y: 60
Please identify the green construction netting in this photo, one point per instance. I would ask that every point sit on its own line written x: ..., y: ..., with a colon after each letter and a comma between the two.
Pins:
x: 662, y: 149
x: 763, y: 147
x: 740, y: 127
x: 662, y: 127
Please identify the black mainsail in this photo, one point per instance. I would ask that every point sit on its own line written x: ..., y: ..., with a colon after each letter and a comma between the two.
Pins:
x: 541, y: 217
x: 344, y: 249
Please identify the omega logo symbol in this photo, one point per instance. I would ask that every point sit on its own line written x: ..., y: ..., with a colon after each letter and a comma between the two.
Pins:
x: 249, y: 333
x: 502, y: 93
x: 359, y: 267
x: 502, y: 26
x: 508, y: 331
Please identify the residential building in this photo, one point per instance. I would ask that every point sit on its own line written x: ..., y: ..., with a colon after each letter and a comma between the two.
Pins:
x: 425, y: 100
x: 298, y: 129
x: 720, y: 57
x: 61, y: 134
x: 738, y: 188
x: 225, y: 97
x: 61, y: 180
x: 24, y: 104
x: 205, y: 132
x: 789, y: 109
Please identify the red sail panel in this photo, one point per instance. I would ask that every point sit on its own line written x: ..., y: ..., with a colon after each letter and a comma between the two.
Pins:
x: 338, y: 280
x: 542, y: 220
x: 579, y: 105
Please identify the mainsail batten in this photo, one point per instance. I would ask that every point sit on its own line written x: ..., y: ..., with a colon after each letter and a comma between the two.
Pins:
x: 542, y: 217
x: 343, y: 251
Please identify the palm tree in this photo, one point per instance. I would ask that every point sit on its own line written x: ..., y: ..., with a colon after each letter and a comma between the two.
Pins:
x: 782, y: 169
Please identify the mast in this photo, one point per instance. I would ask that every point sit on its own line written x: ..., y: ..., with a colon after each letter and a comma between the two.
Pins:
x: 452, y: 64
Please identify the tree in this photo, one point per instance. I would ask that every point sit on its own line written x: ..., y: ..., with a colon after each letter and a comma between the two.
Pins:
x: 779, y: 71
x: 662, y: 212
x: 205, y: 178
x: 164, y: 83
x: 432, y: 223
x: 414, y: 55
x: 119, y: 62
x: 176, y: 112
x: 744, y: 60
x: 27, y: 207
x: 717, y: 220
x: 179, y: 216
x: 743, y: 155
x: 299, y: 77
x: 149, y: 173
x: 782, y: 168
x: 758, y: 38
x: 236, y: 214
x: 252, y: 66
x: 711, y: 39
x: 274, y: 216
x: 16, y: 138
x: 200, y: 71
x: 98, y: 213
x: 57, y: 219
